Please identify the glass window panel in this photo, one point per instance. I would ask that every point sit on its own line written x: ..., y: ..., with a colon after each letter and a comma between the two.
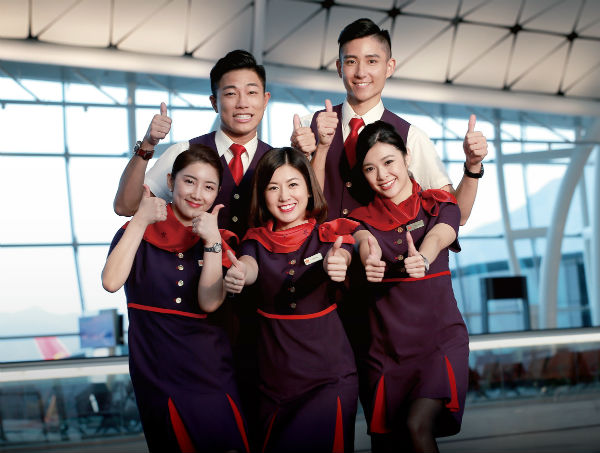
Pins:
x: 143, y: 118
x: 9, y: 89
x: 281, y: 117
x: 479, y: 255
x: 540, y: 133
x: 510, y: 131
x: 575, y: 223
x: 85, y: 127
x: 91, y: 263
x: 151, y: 97
x: 80, y: 92
x: 572, y: 295
x: 34, y: 192
x: 532, y: 147
x: 430, y: 126
x: 117, y: 93
x: 516, y: 196
x: 94, y: 183
x: 454, y: 150
x: 46, y: 281
x: 44, y: 89
x: 543, y: 182
x: 512, y: 148
x: 24, y: 120
x: 486, y: 216
x: 188, y: 124
x: 196, y: 99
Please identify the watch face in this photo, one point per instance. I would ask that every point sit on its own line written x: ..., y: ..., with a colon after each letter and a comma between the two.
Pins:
x: 217, y: 247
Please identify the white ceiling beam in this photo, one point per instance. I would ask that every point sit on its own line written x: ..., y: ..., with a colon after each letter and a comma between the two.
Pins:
x: 118, y: 60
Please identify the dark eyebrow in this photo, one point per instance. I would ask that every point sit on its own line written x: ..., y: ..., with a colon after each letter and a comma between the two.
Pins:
x: 234, y: 87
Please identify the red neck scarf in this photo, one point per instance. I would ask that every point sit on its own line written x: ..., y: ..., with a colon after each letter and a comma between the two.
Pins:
x: 171, y: 235
x: 290, y: 240
x: 385, y: 215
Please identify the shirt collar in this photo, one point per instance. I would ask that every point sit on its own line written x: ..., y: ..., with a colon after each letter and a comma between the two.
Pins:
x: 223, y: 143
x: 370, y: 117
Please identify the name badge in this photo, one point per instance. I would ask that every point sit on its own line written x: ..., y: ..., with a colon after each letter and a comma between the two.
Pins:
x: 313, y: 259
x: 415, y: 225
x: 200, y: 263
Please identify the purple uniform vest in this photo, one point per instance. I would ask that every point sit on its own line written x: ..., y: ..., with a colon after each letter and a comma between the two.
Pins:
x: 234, y: 216
x: 337, y: 171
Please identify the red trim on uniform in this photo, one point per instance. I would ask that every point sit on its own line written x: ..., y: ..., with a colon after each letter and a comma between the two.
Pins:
x: 378, y: 422
x: 338, y: 440
x: 239, y: 421
x: 167, y: 311
x: 453, y: 403
x: 309, y: 316
x: 183, y: 438
x: 269, y: 429
x: 411, y: 279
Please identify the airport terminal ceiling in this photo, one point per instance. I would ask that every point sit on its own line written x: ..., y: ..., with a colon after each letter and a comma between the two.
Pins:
x: 510, y: 54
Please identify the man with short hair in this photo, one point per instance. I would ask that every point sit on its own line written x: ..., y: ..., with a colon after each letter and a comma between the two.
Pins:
x: 365, y: 63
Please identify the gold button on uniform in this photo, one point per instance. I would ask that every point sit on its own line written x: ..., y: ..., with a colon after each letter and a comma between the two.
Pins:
x: 236, y: 196
x: 234, y: 218
x: 178, y: 300
x: 402, y: 269
x: 345, y: 211
x: 180, y: 267
x: 292, y: 262
x: 399, y: 230
x: 348, y: 184
x: 291, y: 272
x: 399, y: 257
x: 399, y: 241
x: 292, y: 289
x: 180, y: 255
x: 293, y: 305
x: 180, y: 283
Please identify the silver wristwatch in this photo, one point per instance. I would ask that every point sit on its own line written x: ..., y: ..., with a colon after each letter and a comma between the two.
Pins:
x: 215, y: 248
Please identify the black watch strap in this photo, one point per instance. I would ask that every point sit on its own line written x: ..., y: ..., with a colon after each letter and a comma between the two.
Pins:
x: 471, y: 174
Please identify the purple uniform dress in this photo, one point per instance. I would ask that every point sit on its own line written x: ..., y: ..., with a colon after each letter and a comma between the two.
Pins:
x: 419, y: 344
x: 308, y: 382
x: 338, y: 183
x: 180, y: 361
x: 234, y: 216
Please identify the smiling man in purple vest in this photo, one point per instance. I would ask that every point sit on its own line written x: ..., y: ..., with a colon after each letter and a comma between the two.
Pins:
x: 365, y: 63
x: 240, y: 99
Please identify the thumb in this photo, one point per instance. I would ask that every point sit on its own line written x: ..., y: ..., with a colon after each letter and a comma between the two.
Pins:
x: 234, y: 261
x: 472, y: 120
x: 372, y: 248
x: 412, y: 251
x: 216, y: 209
x: 297, y: 124
x: 163, y: 109
x: 336, y: 245
x: 328, y: 106
x: 146, y: 191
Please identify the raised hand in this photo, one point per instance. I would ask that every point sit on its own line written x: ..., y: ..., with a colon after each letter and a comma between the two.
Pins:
x: 474, y: 146
x: 413, y: 263
x: 327, y: 122
x: 159, y: 126
x: 236, y: 275
x: 374, y: 266
x: 335, y: 263
x: 207, y: 227
x: 152, y: 209
x: 303, y: 138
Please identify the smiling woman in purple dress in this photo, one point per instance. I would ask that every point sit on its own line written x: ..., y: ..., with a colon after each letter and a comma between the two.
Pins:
x: 414, y: 370
x: 170, y: 259
x: 308, y: 386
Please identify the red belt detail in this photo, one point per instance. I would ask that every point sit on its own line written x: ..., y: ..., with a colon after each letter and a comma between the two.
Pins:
x: 411, y: 279
x: 309, y: 316
x: 167, y: 311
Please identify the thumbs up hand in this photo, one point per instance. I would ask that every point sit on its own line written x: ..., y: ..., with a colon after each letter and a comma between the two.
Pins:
x: 159, y: 126
x: 206, y: 225
x: 303, y: 138
x: 374, y: 266
x: 474, y: 146
x: 236, y: 275
x: 414, y: 262
x: 327, y: 122
x: 152, y: 209
x: 336, y: 261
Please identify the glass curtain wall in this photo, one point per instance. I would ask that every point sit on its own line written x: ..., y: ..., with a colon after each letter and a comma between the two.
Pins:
x: 68, y: 134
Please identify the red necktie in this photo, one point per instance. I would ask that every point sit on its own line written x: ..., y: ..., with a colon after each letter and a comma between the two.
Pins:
x: 235, y: 164
x: 350, y: 143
